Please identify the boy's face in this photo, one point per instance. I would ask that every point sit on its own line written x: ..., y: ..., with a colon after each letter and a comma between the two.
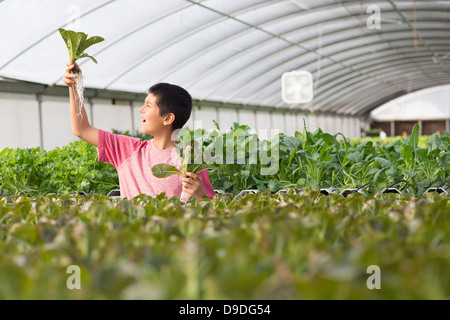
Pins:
x: 152, y: 122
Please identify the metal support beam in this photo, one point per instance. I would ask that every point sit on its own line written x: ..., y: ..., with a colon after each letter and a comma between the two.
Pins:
x: 133, y: 125
x: 91, y: 111
x: 41, y: 132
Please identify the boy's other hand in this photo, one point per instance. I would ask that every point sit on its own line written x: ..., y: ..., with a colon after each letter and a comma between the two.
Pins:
x: 69, y: 78
x: 193, y: 185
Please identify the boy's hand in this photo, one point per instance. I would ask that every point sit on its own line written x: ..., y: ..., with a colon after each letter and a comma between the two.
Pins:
x: 69, y: 78
x: 193, y: 185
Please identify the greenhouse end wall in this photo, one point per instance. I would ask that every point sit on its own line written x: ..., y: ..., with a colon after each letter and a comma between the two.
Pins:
x: 33, y: 120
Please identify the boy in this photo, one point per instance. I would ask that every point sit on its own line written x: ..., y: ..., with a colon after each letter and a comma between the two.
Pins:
x: 167, y: 108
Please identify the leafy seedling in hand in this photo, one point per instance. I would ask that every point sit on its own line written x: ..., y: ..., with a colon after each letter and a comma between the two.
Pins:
x: 191, y: 160
x: 77, y: 43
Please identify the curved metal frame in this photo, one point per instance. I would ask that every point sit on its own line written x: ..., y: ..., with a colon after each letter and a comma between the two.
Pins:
x: 224, y: 16
x: 208, y: 25
x: 351, y: 75
x: 364, y: 48
x: 264, y: 75
x: 52, y: 32
x: 333, y: 95
x: 358, y: 92
x: 357, y: 86
x: 351, y: 78
x: 343, y: 75
x: 276, y: 78
x: 333, y: 76
x: 349, y: 39
x: 375, y: 91
x: 243, y: 88
x: 251, y: 48
x: 330, y: 66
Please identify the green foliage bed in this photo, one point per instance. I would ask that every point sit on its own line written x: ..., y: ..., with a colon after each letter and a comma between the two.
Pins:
x: 261, y: 246
x: 312, y: 160
x: 70, y: 169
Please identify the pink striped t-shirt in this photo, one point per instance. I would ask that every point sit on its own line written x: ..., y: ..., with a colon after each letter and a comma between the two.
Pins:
x: 134, y: 158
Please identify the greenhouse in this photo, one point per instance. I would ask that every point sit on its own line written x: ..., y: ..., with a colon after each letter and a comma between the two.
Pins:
x: 225, y: 150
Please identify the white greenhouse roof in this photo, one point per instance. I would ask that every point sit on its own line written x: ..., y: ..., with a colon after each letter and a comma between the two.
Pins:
x: 235, y: 51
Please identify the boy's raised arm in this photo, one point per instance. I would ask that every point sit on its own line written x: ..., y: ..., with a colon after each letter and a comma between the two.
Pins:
x: 80, y: 123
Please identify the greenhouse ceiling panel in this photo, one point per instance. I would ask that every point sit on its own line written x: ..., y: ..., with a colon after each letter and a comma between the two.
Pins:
x: 360, y: 53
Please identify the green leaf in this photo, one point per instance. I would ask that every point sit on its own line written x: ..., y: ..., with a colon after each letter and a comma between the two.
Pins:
x: 77, y: 43
x: 245, y: 174
x: 304, y: 154
x: 330, y: 140
x: 356, y: 156
x: 423, y: 154
x: 70, y: 38
x: 197, y: 168
x: 205, y: 166
x: 383, y: 162
x: 164, y: 170
x: 85, y: 55
x: 227, y: 184
x: 86, y: 43
x: 4, y: 152
x: 410, y: 174
x: 424, y: 183
x: 292, y: 142
x: 304, y: 134
x: 273, y: 185
x: 292, y: 155
x: 408, y: 153
x: 392, y: 171
x: 216, y: 125
x: 378, y: 175
x: 414, y: 139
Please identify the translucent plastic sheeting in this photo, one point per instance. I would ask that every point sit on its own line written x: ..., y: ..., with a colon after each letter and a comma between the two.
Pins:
x: 410, y: 106
x: 236, y: 50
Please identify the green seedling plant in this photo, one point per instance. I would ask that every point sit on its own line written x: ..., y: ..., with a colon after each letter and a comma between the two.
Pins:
x: 191, y: 159
x: 77, y: 43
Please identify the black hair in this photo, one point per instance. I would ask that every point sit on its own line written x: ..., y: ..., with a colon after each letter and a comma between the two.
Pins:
x: 171, y: 98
